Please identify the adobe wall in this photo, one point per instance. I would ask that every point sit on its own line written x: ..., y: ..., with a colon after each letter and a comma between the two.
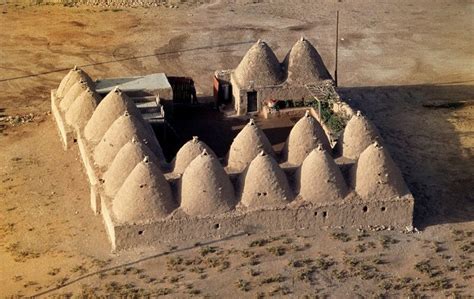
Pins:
x: 65, y: 132
x: 179, y: 227
x: 238, y: 97
x: 107, y: 3
x: 284, y: 91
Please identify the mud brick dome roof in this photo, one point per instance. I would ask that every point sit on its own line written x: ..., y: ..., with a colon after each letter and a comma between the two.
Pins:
x: 319, y: 178
x: 82, y: 109
x: 358, y: 135
x: 305, y: 136
x: 376, y: 176
x: 145, y: 195
x: 125, y: 161
x: 114, y: 104
x: 304, y: 64
x: 72, y: 94
x: 75, y: 75
x: 206, y: 188
x: 259, y: 65
x: 247, y: 145
x: 188, y: 152
x: 120, y: 132
x: 264, y: 183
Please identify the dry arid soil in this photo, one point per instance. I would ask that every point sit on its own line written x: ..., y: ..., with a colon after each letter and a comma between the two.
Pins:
x: 408, y: 65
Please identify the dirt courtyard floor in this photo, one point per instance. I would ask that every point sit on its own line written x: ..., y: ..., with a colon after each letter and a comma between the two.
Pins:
x: 408, y: 65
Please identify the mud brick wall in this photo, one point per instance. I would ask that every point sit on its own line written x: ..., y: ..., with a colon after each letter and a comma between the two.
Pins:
x: 110, y: 3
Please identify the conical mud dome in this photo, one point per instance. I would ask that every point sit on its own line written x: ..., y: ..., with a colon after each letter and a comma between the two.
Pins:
x: 319, y: 179
x: 188, y: 152
x: 259, y: 66
x: 75, y: 75
x: 206, y: 188
x: 127, y: 158
x: 82, y: 109
x: 73, y: 93
x: 264, y: 184
x: 145, y: 195
x: 305, y: 136
x: 61, y: 90
x: 358, y: 135
x: 304, y: 64
x: 115, y: 104
x: 375, y: 176
x: 247, y: 145
x: 120, y: 132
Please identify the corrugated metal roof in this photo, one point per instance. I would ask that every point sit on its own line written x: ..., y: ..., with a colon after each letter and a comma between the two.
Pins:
x: 149, y: 82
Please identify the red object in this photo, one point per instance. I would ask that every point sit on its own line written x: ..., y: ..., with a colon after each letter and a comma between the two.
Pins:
x: 216, y: 88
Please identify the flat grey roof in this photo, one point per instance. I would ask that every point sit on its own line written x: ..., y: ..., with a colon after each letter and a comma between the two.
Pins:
x: 149, y: 82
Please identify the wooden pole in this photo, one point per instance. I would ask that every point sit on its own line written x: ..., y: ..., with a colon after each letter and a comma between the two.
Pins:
x: 319, y: 111
x: 337, y: 47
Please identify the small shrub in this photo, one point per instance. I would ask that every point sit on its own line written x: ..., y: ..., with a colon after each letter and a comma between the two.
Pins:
x: 439, y: 284
x: 341, y: 236
x: 307, y: 274
x: 254, y: 261
x: 208, y: 250
x: 277, y: 250
x: 426, y: 268
x: 163, y: 291
x: 278, y: 278
x: 243, y: 285
x: 259, y: 243
x: 54, y: 271
x: 300, y: 263
x: 323, y: 263
x: 283, y: 290
x: 254, y: 272
x: 386, y: 241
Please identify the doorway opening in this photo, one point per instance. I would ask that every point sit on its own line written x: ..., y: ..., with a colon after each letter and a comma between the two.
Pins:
x: 252, y: 101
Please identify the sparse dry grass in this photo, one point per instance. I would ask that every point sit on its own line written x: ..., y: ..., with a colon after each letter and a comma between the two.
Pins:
x: 386, y: 241
x: 79, y: 269
x: 426, y: 268
x: 243, y: 285
x: 208, y: 250
x: 277, y: 250
x: 341, y: 236
x: 20, y: 254
x: 54, y: 271
x: 300, y: 262
x: 273, y: 279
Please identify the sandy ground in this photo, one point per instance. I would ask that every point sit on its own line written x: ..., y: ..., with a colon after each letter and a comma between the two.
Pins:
x: 395, y: 59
